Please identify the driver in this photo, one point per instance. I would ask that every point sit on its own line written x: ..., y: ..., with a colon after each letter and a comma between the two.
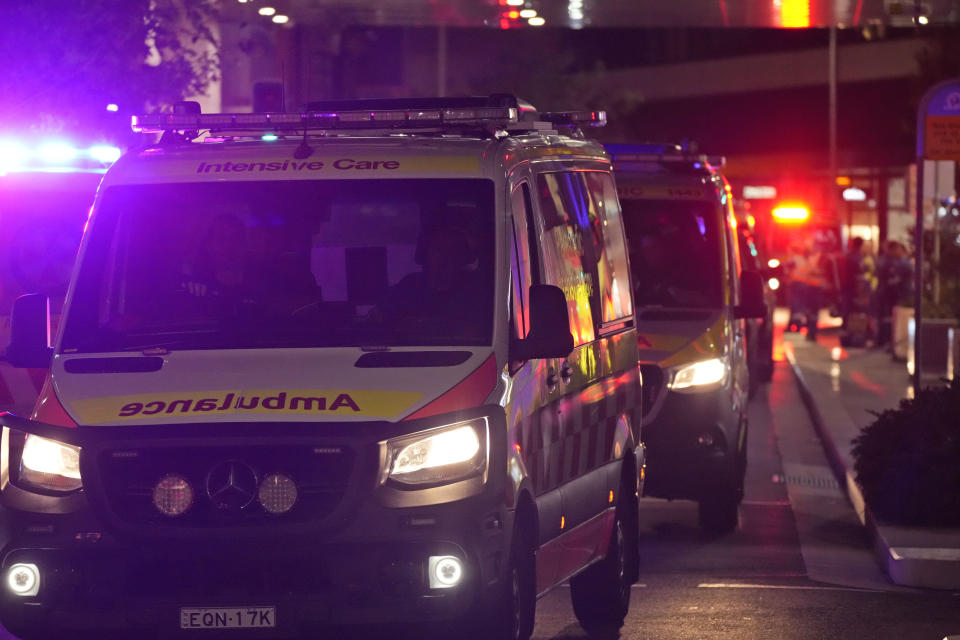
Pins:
x: 447, y: 287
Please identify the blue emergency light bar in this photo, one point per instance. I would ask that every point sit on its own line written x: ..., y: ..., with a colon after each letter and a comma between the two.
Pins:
x: 54, y: 156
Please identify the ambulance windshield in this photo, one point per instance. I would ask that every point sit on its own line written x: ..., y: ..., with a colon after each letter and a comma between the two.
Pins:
x: 287, y: 264
x: 674, y: 253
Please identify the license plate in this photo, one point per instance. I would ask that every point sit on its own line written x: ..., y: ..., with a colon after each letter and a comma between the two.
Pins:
x: 228, y: 618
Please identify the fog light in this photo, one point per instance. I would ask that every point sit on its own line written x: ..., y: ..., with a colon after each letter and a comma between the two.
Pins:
x: 445, y: 572
x: 278, y: 493
x: 705, y: 440
x: 173, y: 495
x: 23, y: 579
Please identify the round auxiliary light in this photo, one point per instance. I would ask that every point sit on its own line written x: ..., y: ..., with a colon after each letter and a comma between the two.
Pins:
x: 448, y: 571
x: 277, y: 493
x: 173, y: 495
x: 23, y: 579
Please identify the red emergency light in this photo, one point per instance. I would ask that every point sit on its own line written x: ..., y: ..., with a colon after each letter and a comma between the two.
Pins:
x: 791, y: 213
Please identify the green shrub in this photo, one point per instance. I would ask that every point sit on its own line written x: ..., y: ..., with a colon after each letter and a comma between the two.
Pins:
x: 907, y: 461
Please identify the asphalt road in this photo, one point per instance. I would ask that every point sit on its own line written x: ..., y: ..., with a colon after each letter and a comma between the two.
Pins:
x: 797, y: 567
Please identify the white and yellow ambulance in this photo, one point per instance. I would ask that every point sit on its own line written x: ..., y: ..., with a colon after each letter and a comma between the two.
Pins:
x: 374, y: 362
x: 693, y: 299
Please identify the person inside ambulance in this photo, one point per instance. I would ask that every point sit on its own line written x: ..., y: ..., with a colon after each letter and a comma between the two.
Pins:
x: 445, y: 289
x: 220, y: 267
x: 229, y: 270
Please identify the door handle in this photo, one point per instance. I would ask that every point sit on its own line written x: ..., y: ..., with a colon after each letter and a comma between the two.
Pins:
x: 552, y: 380
x: 566, y: 373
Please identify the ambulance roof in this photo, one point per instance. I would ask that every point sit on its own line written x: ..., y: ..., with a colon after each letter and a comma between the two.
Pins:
x: 347, y: 157
x: 408, y: 137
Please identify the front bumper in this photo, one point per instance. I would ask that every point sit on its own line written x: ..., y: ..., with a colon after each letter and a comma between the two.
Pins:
x: 365, y: 560
x: 692, y: 442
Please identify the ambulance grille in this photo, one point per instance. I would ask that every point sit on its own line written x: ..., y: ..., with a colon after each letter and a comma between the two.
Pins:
x: 321, y: 474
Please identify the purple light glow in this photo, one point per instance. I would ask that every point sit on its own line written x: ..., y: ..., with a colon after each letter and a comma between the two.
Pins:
x: 104, y: 153
x: 56, y: 152
x: 12, y: 155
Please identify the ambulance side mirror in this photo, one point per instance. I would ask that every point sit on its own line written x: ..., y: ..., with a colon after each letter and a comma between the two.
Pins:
x: 30, y: 332
x: 751, y: 304
x: 549, y: 335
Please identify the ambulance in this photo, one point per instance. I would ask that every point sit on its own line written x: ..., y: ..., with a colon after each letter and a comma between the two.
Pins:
x: 375, y: 362
x: 693, y: 300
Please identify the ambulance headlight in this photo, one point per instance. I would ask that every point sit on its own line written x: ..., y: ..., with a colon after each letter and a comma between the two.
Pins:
x: 437, y: 456
x: 49, y: 465
x: 700, y: 375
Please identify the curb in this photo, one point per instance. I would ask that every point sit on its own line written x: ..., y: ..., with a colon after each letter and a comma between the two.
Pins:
x: 929, y: 567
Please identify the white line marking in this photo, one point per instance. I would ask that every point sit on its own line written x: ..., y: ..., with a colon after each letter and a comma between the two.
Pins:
x: 925, y: 553
x: 566, y: 585
x: 736, y: 585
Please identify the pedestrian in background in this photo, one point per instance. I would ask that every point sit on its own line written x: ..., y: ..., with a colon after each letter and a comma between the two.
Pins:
x: 810, y: 273
x: 894, y: 280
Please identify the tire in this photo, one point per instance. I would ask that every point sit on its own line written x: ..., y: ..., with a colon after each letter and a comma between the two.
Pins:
x: 514, y: 606
x: 719, y: 511
x: 601, y: 594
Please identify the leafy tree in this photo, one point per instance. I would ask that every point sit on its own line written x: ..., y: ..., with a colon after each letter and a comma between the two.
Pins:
x: 65, y: 60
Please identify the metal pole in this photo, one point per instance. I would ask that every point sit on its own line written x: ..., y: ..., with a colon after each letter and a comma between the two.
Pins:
x: 832, y: 82
x: 935, y: 259
x: 442, y: 61
x: 918, y: 278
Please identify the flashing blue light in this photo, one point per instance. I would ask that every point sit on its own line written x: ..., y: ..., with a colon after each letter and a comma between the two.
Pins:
x: 57, y: 152
x: 12, y: 155
x: 113, y: 107
x: 268, y: 137
x: 105, y: 153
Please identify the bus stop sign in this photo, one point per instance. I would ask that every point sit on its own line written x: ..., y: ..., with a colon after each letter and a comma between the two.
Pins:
x: 938, y: 138
x: 941, y: 132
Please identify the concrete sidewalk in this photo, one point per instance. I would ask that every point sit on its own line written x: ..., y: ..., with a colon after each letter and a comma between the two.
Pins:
x: 841, y: 387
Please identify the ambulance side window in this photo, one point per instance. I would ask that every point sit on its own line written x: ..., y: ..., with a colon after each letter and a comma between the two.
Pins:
x: 520, y: 260
x: 562, y: 206
x: 733, y: 251
x: 605, y: 231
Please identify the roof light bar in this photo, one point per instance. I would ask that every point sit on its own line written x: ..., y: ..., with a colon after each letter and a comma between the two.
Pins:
x: 159, y: 122
x: 662, y: 153
x: 575, y: 118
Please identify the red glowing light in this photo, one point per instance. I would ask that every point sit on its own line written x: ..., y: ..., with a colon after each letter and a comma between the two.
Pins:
x: 791, y: 213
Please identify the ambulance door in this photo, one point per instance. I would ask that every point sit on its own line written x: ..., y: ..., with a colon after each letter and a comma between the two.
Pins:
x: 532, y: 411
x: 580, y: 438
x: 737, y: 340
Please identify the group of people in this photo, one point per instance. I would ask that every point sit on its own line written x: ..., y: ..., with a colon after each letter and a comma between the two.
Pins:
x: 859, y: 286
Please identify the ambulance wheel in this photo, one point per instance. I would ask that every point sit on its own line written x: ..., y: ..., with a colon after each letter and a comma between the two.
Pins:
x: 719, y: 509
x: 718, y: 513
x: 515, y: 604
x: 601, y: 594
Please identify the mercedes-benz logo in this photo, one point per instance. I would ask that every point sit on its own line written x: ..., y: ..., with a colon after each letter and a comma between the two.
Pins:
x: 231, y: 485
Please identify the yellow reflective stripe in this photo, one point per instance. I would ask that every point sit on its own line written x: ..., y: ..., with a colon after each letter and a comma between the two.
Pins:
x: 220, y: 403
